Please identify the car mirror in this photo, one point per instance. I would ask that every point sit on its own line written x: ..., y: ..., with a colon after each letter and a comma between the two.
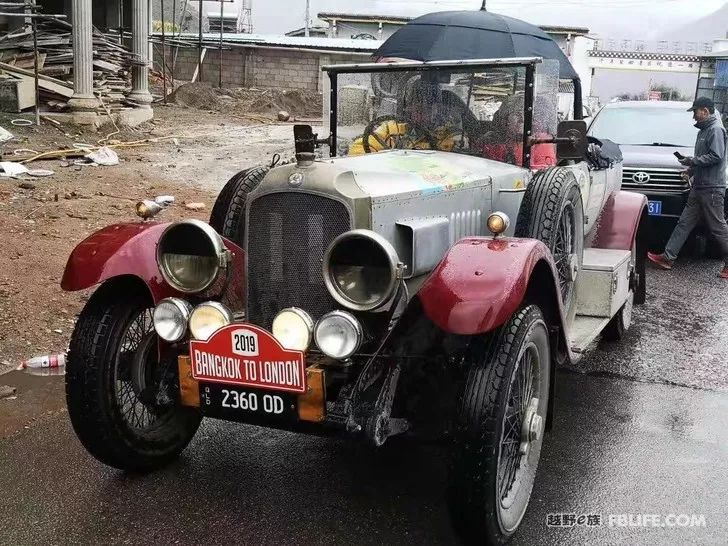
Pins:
x: 571, y: 141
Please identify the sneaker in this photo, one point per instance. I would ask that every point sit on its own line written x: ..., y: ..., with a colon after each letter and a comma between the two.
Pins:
x: 660, y: 260
x: 723, y: 273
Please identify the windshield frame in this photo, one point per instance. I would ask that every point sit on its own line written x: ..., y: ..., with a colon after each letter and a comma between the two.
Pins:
x: 529, y: 63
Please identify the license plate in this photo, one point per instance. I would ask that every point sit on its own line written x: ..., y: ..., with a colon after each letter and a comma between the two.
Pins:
x: 247, y: 405
x: 243, y: 355
x: 654, y: 208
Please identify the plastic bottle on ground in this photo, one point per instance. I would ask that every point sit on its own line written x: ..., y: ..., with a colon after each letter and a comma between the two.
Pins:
x: 46, y: 361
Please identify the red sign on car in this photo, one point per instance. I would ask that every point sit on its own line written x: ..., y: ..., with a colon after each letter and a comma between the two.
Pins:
x: 245, y: 355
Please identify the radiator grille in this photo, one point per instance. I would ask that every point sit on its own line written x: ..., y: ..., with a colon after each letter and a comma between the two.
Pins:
x: 288, y: 234
x: 651, y: 178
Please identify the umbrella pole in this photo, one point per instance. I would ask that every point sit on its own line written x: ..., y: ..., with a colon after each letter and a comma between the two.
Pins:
x: 482, y: 8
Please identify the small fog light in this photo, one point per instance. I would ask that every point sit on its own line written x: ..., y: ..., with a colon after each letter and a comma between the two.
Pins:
x: 498, y: 222
x: 293, y: 329
x: 207, y: 318
x: 338, y: 334
x: 170, y: 319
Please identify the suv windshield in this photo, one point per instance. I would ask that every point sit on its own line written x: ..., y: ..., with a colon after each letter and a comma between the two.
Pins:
x: 477, y: 112
x: 635, y: 125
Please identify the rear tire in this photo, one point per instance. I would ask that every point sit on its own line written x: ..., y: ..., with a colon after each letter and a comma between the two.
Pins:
x: 234, y: 224
x: 504, y: 401
x: 120, y: 398
x: 552, y: 212
x: 222, y: 203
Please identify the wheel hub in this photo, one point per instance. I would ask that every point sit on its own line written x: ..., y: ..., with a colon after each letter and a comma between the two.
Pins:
x: 531, y: 427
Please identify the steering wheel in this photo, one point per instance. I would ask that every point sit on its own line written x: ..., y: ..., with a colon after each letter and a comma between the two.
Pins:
x: 415, y: 133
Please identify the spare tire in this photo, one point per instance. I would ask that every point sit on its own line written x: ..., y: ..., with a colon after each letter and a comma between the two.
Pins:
x: 552, y: 212
x: 249, y: 178
x: 234, y: 223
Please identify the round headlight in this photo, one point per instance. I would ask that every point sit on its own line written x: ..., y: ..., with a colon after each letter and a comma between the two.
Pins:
x: 498, y: 222
x: 170, y: 319
x: 207, y: 318
x: 360, y: 270
x: 338, y: 334
x: 293, y: 329
x: 190, y: 254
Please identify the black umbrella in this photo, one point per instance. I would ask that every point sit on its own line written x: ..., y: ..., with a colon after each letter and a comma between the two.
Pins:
x: 458, y: 35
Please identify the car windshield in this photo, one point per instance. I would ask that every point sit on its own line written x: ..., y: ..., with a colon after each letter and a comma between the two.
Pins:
x: 477, y: 112
x: 644, y: 125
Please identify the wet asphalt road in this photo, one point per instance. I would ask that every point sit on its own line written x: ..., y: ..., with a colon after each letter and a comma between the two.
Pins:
x: 654, y: 445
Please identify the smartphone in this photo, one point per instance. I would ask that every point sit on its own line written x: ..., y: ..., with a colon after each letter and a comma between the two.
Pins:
x: 678, y: 155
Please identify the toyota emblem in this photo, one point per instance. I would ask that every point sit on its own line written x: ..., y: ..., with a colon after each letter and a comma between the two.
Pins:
x: 641, y: 177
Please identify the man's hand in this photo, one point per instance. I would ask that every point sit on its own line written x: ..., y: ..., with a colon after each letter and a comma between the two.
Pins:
x: 687, y: 161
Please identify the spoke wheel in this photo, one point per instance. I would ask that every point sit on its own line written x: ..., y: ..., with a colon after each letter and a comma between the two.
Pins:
x: 500, y: 425
x: 122, y: 400
x: 564, y: 253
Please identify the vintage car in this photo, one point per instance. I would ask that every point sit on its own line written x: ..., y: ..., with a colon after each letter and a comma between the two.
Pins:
x: 429, y: 288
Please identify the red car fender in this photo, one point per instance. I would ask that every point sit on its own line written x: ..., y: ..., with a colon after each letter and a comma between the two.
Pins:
x: 481, y: 283
x: 618, y: 223
x: 124, y: 249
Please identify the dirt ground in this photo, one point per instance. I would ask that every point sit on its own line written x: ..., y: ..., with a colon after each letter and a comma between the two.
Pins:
x: 197, y: 151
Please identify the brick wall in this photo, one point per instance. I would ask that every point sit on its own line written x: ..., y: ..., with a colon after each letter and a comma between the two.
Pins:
x: 248, y: 67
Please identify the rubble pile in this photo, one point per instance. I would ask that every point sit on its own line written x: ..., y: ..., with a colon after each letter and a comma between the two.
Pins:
x: 245, y: 101
x: 112, y: 64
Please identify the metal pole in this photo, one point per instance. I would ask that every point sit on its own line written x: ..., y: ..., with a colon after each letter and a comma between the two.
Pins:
x: 164, y: 58
x: 222, y: 12
x: 199, y: 47
x: 483, y: 6
x: 174, y: 27
x: 308, y: 10
x: 34, y: 24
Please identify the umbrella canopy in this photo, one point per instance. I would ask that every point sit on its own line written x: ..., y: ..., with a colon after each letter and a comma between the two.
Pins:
x: 458, y: 35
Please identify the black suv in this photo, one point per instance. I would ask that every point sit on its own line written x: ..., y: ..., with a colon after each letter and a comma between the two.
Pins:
x: 649, y: 132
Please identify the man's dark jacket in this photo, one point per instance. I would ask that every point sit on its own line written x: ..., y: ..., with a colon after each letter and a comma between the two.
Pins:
x: 709, y: 164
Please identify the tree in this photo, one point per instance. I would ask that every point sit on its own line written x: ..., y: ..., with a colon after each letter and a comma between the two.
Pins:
x: 666, y: 93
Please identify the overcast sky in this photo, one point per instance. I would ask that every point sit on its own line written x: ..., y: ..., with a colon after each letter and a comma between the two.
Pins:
x: 624, y: 18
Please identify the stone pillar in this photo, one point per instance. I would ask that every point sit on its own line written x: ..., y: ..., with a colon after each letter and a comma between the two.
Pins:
x: 140, y: 49
x: 83, y: 99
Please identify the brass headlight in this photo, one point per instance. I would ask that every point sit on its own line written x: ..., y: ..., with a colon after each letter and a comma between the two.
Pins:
x: 190, y: 255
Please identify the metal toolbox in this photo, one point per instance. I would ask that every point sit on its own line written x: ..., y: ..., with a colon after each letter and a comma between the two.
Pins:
x: 603, y: 285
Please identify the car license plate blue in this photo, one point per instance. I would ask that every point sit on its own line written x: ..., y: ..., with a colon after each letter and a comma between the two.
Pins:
x: 654, y: 208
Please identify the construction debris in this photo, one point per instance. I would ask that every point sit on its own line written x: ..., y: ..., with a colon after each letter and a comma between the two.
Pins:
x: 112, y: 64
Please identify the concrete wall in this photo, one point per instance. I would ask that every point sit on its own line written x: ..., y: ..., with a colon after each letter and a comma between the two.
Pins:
x: 249, y: 67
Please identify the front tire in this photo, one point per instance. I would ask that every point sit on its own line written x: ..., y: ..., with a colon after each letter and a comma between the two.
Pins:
x: 499, y: 429
x: 121, y: 399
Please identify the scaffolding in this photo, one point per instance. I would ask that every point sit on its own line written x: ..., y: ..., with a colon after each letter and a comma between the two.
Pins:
x: 245, y: 17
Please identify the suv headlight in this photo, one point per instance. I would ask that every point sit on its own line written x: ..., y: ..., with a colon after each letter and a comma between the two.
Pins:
x: 361, y: 270
x: 190, y: 255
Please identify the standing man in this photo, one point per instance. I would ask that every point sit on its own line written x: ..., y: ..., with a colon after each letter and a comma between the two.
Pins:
x: 707, y: 195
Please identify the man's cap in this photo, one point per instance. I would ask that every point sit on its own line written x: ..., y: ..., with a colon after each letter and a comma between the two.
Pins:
x: 701, y: 102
